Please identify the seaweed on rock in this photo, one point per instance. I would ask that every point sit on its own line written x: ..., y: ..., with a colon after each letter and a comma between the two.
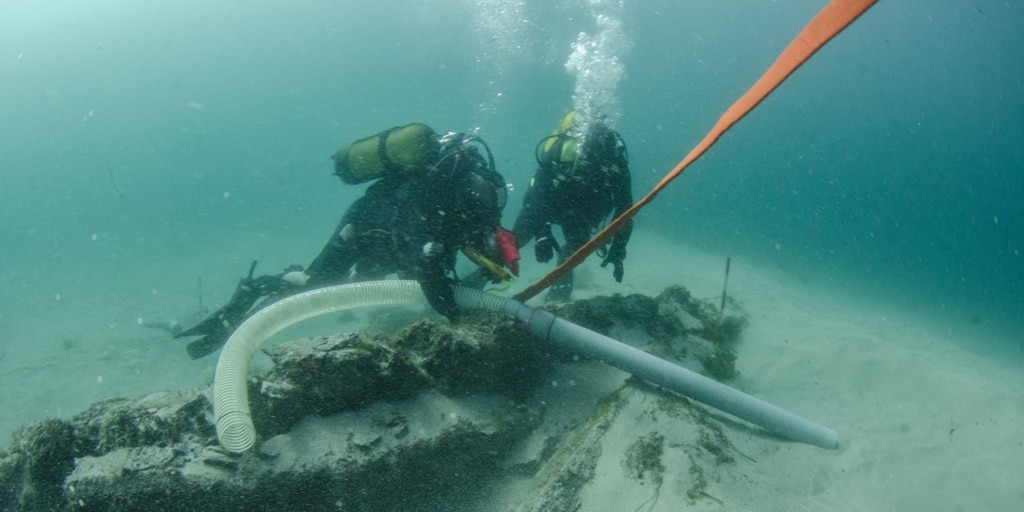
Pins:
x: 437, y: 415
x: 690, y: 327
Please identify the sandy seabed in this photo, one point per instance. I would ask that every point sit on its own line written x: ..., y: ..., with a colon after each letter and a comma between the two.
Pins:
x: 930, y: 412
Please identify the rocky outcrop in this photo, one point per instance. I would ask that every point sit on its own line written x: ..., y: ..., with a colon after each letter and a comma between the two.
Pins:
x: 477, y: 416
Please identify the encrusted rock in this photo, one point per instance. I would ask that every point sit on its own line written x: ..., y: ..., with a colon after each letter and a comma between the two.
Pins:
x: 436, y: 416
x: 682, y: 327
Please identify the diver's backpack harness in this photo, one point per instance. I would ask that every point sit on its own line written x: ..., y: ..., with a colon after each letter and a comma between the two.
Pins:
x: 564, y: 152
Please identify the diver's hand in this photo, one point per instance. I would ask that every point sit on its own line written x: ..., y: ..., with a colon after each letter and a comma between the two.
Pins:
x: 616, y: 255
x: 618, y: 268
x: 545, y: 246
x: 544, y: 249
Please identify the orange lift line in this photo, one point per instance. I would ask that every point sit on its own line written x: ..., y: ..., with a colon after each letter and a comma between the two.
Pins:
x: 835, y: 17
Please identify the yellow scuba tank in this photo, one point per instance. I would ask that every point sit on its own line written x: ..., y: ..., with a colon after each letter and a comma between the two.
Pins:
x: 562, y: 145
x: 392, y: 152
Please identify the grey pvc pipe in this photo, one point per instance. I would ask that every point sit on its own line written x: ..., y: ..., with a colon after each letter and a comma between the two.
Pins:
x: 236, y: 432
x: 671, y: 376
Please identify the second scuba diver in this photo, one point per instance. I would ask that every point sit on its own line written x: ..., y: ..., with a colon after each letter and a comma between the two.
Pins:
x: 582, y: 178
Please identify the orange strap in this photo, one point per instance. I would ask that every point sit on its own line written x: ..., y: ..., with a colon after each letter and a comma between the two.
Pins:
x: 836, y: 16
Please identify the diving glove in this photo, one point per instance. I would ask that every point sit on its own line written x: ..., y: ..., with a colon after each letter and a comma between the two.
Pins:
x: 545, y: 246
x: 615, y: 257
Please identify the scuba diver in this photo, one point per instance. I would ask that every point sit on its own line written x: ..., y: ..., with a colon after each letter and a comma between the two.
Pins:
x: 433, y: 197
x: 582, y: 177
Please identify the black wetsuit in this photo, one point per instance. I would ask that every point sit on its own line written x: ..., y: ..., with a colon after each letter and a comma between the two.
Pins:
x: 410, y: 227
x: 579, y: 198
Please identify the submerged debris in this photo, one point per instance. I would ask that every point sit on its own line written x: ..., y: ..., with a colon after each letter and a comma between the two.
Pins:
x: 687, y: 328
x: 433, y: 417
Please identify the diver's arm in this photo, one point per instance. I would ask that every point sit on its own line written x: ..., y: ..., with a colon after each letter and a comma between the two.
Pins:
x: 529, y: 219
x: 338, y: 255
x: 431, y: 273
x: 441, y: 296
x: 623, y: 199
x: 535, y: 218
x: 334, y: 260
